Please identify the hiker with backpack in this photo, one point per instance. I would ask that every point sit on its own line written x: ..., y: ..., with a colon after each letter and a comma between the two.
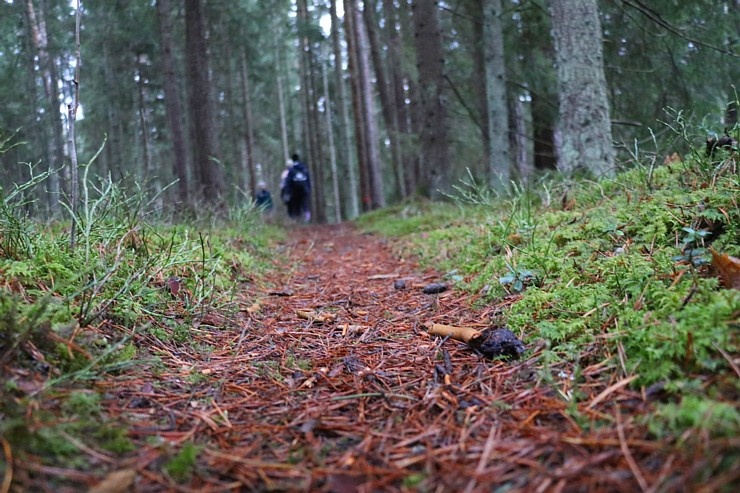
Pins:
x: 296, y: 190
x: 284, y: 189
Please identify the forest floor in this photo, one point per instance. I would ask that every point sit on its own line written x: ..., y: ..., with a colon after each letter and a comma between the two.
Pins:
x: 326, y: 380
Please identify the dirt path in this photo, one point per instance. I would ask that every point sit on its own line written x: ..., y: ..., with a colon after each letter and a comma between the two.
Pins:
x: 366, y: 400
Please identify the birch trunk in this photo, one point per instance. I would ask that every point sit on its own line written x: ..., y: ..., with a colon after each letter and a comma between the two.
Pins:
x: 71, y: 117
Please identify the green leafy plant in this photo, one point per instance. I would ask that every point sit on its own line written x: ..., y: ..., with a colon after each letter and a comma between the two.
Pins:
x: 693, y: 250
x: 517, y: 279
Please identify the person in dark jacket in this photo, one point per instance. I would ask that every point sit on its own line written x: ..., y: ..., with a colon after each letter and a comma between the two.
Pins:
x: 298, y: 186
x: 263, y: 198
x: 284, y: 189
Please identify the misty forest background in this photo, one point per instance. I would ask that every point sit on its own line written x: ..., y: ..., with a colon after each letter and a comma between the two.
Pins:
x: 194, y: 102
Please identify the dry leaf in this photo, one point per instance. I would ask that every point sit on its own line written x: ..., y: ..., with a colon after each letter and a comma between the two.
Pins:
x: 728, y: 268
x: 314, y: 316
x: 116, y: 482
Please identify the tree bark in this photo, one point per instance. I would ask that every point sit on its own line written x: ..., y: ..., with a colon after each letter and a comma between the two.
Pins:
x: 311, y: 139
x: 475, y: 11
x: 375, y: 173
x: 202, y: 130
x: 387, y: 101
x: 149, y: 175
x: 407, y: 100
x: 54, y: 131
x: 332, y: 146
x: 74, y: 196
x: 397, y: 91
x: 522, y: 125
x: 434, y: 130
x: 280, y: 70
x: 499, y: 155
x: 116, y: 126
x: 249, y: 167
x: 358, y: 113
x: 583, y: 136
x: 351, y: 196
x: 173, y: 106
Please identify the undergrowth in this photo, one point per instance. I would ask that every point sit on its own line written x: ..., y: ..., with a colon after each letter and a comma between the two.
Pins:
x: 70, y: 312
x: 614, y: 272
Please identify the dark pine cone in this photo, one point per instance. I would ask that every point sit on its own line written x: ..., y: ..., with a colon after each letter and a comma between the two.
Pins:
x: 434, y: 288
x: 493, y: 343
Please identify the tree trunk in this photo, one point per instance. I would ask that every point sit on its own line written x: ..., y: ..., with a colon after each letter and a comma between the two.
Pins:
x: 396, y: 89
x: 311, y: 123
x: 731, y: 114
x: 434, y: 130
x: 114, y: 149
x: 387, y: 102
x: 283, y: 121
x: 173, y: 106
x: 202, y: 130
x: 522, y: 126
x: 583, y: 137
x: 475, y: 11
x: 53, y: 127
x: 249, y: 167
x: 74, y: 195
x: 332, y: 147
x: 150, y: 175
x: 351, y: 196
x: 375, y: 173
x: 499, y: 155
x: 409, y: 113
x: 232, y: 133
x: 280, y: 70
x: 359, y: 115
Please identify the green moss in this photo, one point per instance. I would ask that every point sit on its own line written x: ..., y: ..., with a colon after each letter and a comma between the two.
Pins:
x: 719, y: 419
x: 82, y: 404
x: 181, y: 466
x: 114, y: 439
x: 620, y: 273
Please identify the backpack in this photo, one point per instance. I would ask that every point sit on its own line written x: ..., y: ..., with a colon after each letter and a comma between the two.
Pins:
x: 298, y: 181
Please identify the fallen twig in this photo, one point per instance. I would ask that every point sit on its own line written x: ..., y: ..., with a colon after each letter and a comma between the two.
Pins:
x: 491, y: 343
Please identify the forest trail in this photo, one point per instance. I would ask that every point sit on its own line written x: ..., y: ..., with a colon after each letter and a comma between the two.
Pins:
x: 327, y: 381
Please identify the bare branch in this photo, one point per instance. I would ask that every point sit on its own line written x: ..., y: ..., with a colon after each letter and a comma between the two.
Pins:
x: 656, y: 18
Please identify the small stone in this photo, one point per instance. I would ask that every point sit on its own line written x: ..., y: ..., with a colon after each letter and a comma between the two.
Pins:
x: 434, y: 288
x: 399, y: 284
